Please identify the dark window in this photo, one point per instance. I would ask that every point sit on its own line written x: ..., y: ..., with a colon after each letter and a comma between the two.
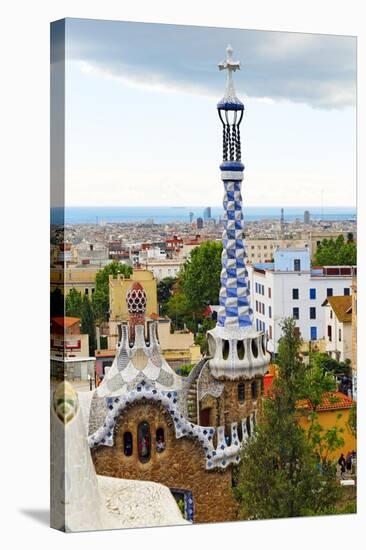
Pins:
x: 297, y: 265
x: 270, y: 312
x: 269, y: 293
x: 248, y: 426
x: 160, y: 440
x: 329, y: 292
x: 295, y: 313
x: 254, y: 390
x: 346, y: 291
x: 127, y: 443
x: 295, y: 293
x: 313, y: 333
x: 313, y: 313
x: 240, y: 431
x: 240, y: 349
x: 270, y: 332
x: 86, y: 291
x: 255, y: 347
x: 339, y: 335
x: 144, y: 441
x: 241, y: 393
x: 225, y: 349
x: 313, y: 294
x: 330, y: 333
x: 205, y: 416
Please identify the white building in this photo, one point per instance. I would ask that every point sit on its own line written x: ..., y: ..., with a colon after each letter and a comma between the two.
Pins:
x: 338, y: 327
x: 164, y: 268
x: 154, y: 253
x: 289, y: 287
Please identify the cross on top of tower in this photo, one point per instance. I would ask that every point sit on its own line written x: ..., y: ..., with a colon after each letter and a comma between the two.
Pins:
x: 229, y: 64
x: 230, y: 100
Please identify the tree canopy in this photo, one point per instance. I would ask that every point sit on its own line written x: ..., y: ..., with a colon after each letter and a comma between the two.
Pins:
x: 73, y: 303
x: 281, y: 473
x: 198, y: 285
x: 101, y: 293
x: 165, y: 288
x: 337, y: 252
x: 329, y: 364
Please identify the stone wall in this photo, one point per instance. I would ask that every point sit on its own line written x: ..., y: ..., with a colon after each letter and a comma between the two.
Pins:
x: 180, y: 466
x: 230, y: 408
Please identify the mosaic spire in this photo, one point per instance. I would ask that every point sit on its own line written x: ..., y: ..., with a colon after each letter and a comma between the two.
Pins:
x: 234, y: 308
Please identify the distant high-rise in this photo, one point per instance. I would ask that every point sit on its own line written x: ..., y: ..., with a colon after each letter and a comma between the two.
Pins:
x: 207, y: 213
x: 282, y: 222
x: 191, y: 216
x: 199, y: 223
x: 307, y: 217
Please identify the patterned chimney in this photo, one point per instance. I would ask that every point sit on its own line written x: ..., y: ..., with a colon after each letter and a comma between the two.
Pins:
x: 136, y: 305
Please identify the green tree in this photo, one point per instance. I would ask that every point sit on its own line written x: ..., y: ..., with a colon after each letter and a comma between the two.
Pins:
x: 57, y: 304
x: 280, y: 474
x: 101, y: 293
x: 73, y: 303
x: 200, y: 278
x: 177, y: 309
x: 201, y: 338
x: 328, y: 364
x: 336, y: 252
x: 165, y: 289
x: 198, y: 285
x: 87, y: 325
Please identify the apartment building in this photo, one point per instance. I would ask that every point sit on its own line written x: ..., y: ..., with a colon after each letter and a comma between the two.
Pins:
x: 289, y: 287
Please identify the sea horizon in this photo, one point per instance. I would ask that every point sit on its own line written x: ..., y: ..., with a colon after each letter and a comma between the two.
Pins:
x: 73, y: 215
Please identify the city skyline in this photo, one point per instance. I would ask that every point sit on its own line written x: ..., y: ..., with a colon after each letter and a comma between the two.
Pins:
x: 142, y: 107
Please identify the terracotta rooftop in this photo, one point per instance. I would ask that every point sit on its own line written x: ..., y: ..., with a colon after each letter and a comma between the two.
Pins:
x: 331, y: 401
x: 342, y: 307
x: 65, y: 322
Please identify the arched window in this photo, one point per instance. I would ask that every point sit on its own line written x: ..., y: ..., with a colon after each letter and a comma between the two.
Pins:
x: 248, y: 426
x: 127, y: 443
x: 254, y: 390
x: 264, y: 344
x: 240, y: 431
x: 225, y: 349
x: 240, y: 349
x: 254, y: 347
x: 241, y: 393
x: 144, y: 441
x: 160, y: 440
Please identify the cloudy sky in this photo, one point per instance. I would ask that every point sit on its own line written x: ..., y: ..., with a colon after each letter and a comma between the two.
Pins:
x: 142, y: 126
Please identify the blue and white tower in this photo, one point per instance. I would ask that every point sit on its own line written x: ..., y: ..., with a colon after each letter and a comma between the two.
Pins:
x: 236, y: 348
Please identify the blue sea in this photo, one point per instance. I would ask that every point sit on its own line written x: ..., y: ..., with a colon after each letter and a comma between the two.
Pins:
x: 165, y: 214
